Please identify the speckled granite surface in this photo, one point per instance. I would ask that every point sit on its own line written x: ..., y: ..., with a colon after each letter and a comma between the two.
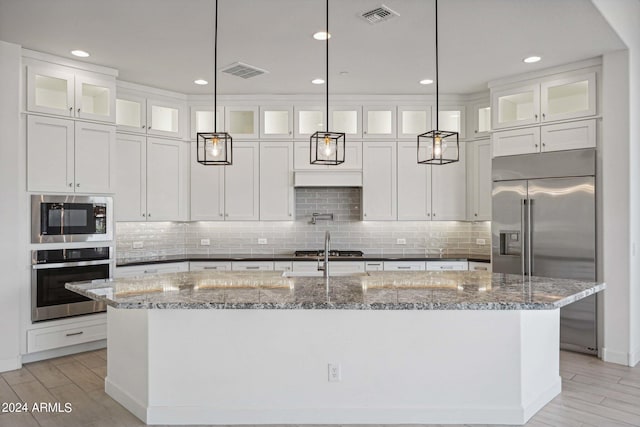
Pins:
x: 418, y: 290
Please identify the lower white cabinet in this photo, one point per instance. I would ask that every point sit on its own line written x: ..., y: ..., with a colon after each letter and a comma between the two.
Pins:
x: 252, y: 265
x: 283, y: 265
x: 210, y: 265
x: 449, y: 189
x: 343, y: 267
x: 404, y: 266
x: 276, y: 181
x: 379, y: 189
x: 447, y: 265
x: 373, y: 265
x: 479, y: 184
x: 65, y: 335
x: 479, y: 266
x: 142, y: 270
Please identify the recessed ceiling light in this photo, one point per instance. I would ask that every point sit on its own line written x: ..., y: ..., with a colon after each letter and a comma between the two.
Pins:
x: 80, y: 53
x: 426, y: 82
x: 201, y: 82
x: 317, y: 81
x: 531, y: 59
x: 321, y: 35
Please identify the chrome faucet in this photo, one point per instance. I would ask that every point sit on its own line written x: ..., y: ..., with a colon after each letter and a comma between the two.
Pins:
x: 316, y: 216
x: 327, y: 247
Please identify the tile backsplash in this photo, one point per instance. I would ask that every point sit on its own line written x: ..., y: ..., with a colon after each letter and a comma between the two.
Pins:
x: 284, y: 237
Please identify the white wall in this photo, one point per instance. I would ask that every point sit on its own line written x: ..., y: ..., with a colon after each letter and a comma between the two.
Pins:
x: 622, y: 300
x: 11, y: 194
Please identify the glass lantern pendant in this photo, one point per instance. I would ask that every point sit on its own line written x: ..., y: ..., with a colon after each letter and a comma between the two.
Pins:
x: 214, y: 148
x: 438, y: 147
x: 327, y: 147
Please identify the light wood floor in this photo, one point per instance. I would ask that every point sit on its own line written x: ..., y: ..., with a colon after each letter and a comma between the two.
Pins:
x: 594, y: 393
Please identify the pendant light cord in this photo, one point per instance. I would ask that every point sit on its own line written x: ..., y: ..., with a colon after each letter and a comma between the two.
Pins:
x: 437, y: 80
x: 215, y: 70
x: 327, y: 62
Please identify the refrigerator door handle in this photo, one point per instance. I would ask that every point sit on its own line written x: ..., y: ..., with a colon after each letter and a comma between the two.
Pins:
x: 529, y: 237
x: 523, y: 268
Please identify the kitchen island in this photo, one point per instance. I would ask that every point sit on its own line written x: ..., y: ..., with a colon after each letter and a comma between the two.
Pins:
x: 378, y: 348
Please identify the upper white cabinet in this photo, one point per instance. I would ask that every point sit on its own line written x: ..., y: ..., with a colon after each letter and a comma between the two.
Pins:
x: 561, y: 97
x: 379, y: 122
x: 413, y: 121
x: 352, y: 157
x: 131, y: 178
x: 308, y: 120
x: 516, y: 141
x: 64, y: 91
x: 452, y: 118
x: 414, y: 184
x: 276, y: 181
x: 379, y: 190
x: 202, y: 120
x: 481, y: 119
x: 207, y: 190
x: 276, y: 122
x: 448, y: 190
x: 346, y: 119
x: 66, y: 156
x: 479, y: 182
x: 153, y: 116
x: 242, y: 122
x: 131, y: 113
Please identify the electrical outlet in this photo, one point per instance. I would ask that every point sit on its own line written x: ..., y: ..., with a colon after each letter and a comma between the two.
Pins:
x: 481, y: 242
x: 262, y: 241
x: 205, y: 242
x: 401, y: 241
x: 334, y: 373
x: 138, y: 245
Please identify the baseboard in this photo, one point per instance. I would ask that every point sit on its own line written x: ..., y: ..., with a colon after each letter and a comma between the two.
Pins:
x: 10, y: 364
x: 134, y: 406
x: 63, y: 351
x: 634, y: 357
x: 547, y: 396
x: 621, y: 358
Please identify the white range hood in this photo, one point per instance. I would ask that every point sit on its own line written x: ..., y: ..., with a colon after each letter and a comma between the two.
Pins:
x: 326, y: 178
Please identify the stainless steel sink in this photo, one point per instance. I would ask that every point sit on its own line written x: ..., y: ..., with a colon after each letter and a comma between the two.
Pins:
x: 319, y: 274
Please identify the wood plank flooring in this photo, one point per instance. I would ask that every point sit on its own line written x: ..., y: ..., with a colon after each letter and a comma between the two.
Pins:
x: 594, y: 393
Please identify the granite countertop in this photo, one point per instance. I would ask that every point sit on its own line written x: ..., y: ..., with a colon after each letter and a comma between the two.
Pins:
x: 291, y: 257
x: 419, y: 290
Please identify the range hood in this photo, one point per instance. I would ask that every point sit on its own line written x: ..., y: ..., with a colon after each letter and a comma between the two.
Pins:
x: 325, y: 178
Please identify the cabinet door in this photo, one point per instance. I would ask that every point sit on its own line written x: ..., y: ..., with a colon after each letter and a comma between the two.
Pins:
x: 448, y: 190
x: 50, y: 89
x: 452, y: 118
x: 568, y: 136
x: 346, y: 119
x: 308, y: 120
x: 515, y: 107
x: 50, y: 154
x: 242, y: 122
x: 276, y: 122
x: 481, y: 120
x: 379, y: 122
x: 94, y: 157
x: 131, y: 178
x: 404, y: 266
x: 166, y: 180
x: 479, y: 180
x: 276, y: 181
x: 518, y: 141
x: 447, y: 265
x: 207, y: 190
x: 131, y: 113
x: 166, y: 118
x: 95, y: 97
x: 414, y: 184
x: 379, y: 189
x: 413, y: 121
x: 252, y: 265
x: 242, y: 183
x: 568, y: 98
x: 209, y: 265
x: 202, y: 120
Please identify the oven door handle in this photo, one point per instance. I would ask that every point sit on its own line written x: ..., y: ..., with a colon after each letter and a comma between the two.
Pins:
x: 71, y: 264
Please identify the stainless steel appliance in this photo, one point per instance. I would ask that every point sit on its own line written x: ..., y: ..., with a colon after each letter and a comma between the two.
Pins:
x: 71, y: 218
x: 52, y: 268
x: 544, y: 224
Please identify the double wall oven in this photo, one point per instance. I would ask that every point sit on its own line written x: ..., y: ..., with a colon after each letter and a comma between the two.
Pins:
x: 66, y: 222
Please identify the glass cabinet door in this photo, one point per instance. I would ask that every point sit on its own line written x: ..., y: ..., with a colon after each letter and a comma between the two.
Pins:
x: 413, y: 121
x: 379, y: 122
x: 50, y: 90
x: 568, y: 98
x: 452, y: 118
x: 346, y: 119
x: 276, y: 122
x: 202, y: 120
x: 131, y: 113
x: 95, y: 98
x: 481, y: 123
x: 242, y: 122
x: 164, y: 118
x: 515, y: 107
x: 308, y: 121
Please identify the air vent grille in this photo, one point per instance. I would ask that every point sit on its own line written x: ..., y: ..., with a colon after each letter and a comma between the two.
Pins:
x: 245, y: 71
x: 379, y: 14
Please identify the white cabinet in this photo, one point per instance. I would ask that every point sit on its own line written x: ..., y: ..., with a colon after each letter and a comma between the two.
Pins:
x: 516, y: 106
x: 379, y: 176
x: 308, y: 120
x: 479, y: 266
x: 448, y: 190
x: 413, y: 121
x: 346, y: 119
x: 252, y: 265
x: 343, y: 267
x: 276, y: 122
x: 414, y: 185
x: 242, y: 122
x: 479, y: 182
x: 283, y: 265
x: 59, y: 90
x: 517, y: 141
x: 379, y: 122
x: 147, y: 269
x: 452, y: 118
x: 151, y: 179
x: 447, y: 265
x: 163, y: 117
x: 404, y: 266
x: 276, y: 181
x: 131, y: 113
x: 210, y: 265
x: 202, y: 119
x: 227, y: 192
x: 67, y: 156
x: 373, y: 265
x: 78, y: 332
x: 481, y: 120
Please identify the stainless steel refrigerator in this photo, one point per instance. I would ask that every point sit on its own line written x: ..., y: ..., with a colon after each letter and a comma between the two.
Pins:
x: 544, y: 224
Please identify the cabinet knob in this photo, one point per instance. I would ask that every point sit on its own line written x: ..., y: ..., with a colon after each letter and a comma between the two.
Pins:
x: 226, y: 214
x: 78, y: 111
x: 475, y: 214
x: 476, y: 131
x: 144, y: 126
x: 535, y: 116
x: 71, y: 109
x: 535, y: 145
x: 544, y: 144
x: 221, y: 214
x: 144, y: 215
x: 434, y: 214
x: 78, y: 185
x: 290, y: 214
x: 149, y: 215
x: 428, y: 214
x: 290, y: 132
x: 543, y: 116
x: 71, y: 184
x: 365, y: 132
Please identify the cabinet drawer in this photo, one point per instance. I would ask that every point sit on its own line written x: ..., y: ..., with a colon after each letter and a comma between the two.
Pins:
x: 518, y: 141
x: 447, y: 265
x: 252, y: 266
x: 479, y: 266
x: 374, y: 266
x: 62, y: 336
x: 282, y: 265
x: 141, y: 270
x: 346, y: 267
x: 404, y: 266
x: 209, y: 265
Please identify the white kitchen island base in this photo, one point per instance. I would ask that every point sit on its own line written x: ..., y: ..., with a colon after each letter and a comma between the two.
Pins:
x: 225, y: 366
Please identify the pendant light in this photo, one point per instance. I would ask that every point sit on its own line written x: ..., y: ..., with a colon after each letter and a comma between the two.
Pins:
x: 214, y: 148
x: 438, y: 147
x: 327, y: 147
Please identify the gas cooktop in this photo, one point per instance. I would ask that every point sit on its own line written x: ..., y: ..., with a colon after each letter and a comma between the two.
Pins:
x: 320, y: 253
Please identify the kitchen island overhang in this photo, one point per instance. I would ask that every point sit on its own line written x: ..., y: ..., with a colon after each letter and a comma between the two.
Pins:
x: 407, y: 354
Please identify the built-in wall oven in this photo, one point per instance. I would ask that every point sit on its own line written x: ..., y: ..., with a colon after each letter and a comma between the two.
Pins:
x: 71, y: 218
x: 52, y: 268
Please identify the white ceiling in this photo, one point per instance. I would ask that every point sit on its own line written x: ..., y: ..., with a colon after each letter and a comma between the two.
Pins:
x: 168, y: 43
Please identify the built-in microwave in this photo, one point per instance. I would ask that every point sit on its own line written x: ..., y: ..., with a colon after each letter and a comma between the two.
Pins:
x: 71, y: 218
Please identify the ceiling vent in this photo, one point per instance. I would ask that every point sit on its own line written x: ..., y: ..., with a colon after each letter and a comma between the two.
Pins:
x: 379, y: 14
x: 245, y: 71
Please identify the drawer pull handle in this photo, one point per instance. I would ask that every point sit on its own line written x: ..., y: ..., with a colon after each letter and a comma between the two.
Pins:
x: 252, y: 267
x: 211, y: 268
x: 75, y: 333
x: 403, y: 267
x: 481, y: 268
x: 373, y: 264
x: 150, y: 271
